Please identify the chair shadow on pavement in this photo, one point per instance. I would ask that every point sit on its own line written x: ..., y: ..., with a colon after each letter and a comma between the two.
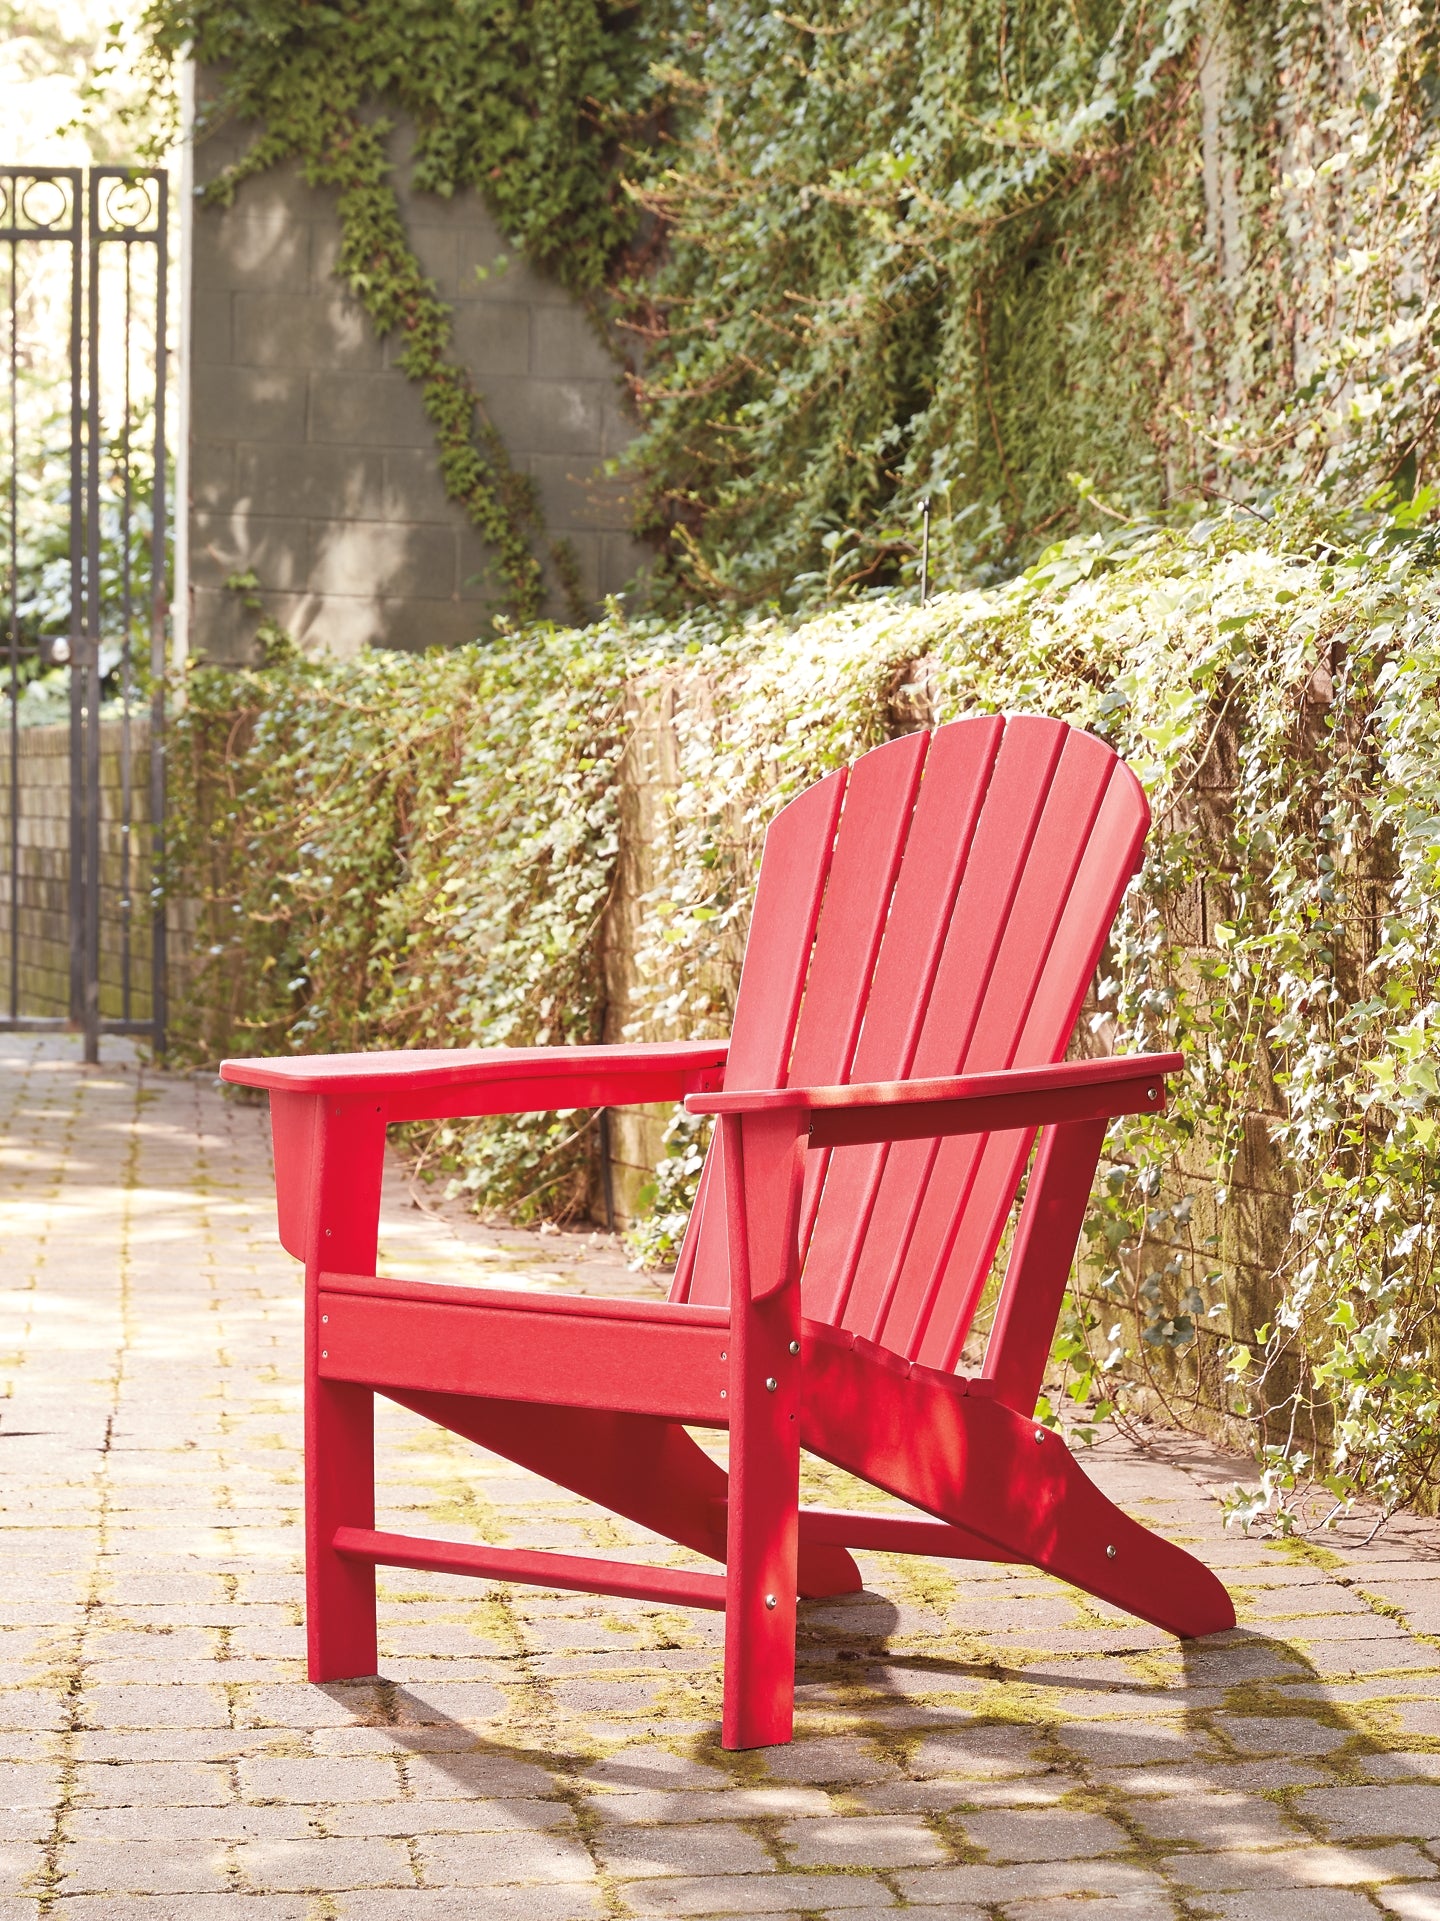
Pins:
x: 855, y: 1681
x: 423, y: 1730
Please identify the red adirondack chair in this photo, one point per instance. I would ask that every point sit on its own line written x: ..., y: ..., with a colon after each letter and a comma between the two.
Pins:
x: 924, y: 929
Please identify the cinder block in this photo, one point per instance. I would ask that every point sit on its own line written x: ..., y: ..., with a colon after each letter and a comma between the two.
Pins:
x: 359, y: 557
x: 246, y: 403
x: 479, y: 243
x: 549, y: 416
x: 324, y: 254
x: 624, y: 565
x: 339, y: 624
x: 577, y: 495
x: 304, y: 330
x: 586, y: 549
x: 221, y: 630
x: 481, y: 586
x: 619, y: 423
x: 322, y: 482
x: 367, y: 410
x: 211, y: 325
x: 478, y: 580
x: 252, y: 245
x: 412, y: 626
x: 212, y: 475
x: 436, y: 243
x: 279, y: 190
x: 566, y: 346
x: 492, y: 338
x: 414, y: 489
x: 277, y: 549
x: 225, y: 145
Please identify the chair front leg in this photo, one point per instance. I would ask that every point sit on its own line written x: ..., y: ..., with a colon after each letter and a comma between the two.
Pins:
x: 762, y: 1162
x: 343, y: 1227
x: 340, y: 1627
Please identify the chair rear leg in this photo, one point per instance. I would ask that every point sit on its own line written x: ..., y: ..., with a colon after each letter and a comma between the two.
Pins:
x: 1142, y: 1572
x: 979, y: 1465
x: 339, y: 1490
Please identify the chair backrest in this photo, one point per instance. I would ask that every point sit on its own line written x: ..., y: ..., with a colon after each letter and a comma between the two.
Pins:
x: 938, y: 908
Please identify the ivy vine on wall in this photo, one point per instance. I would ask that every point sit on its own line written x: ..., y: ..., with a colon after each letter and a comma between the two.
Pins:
x: 424, y: 851
x: 878, y: 254
x: 962, y: 254
x: 525, y: 105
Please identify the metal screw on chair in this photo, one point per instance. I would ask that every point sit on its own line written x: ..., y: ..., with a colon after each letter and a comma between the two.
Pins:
x: 1039, y: 1434
x: 771, y: 1384
x: 324, y: 1353
x: 1109, y: 1554
x: 325, y: 1317
x: 769, y: 1600
x: 1152, y: 1093
x: 794, y: 1347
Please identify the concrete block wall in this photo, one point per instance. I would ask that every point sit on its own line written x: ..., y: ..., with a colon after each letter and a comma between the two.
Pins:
x: 38, y: 917
x: 312, y: 462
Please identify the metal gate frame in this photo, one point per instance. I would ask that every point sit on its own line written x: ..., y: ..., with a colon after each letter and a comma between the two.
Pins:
x: 103, y: 207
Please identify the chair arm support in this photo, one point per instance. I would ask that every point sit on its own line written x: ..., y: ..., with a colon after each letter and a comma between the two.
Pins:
x: 961, y: 1104
x: 317, y: 1099
x: 449, y: 1083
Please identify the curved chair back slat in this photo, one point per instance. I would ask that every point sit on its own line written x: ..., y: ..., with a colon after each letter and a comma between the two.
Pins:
x: 947, y: 918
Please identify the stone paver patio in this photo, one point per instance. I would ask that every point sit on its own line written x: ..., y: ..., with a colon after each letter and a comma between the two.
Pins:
x: 971, y: 1740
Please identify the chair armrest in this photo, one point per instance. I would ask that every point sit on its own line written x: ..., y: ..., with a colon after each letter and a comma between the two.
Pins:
x: 962, y: 1104
x: 447, y: 1083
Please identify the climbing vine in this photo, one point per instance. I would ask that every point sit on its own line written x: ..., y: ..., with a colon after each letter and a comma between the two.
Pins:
x: 525, y: 106
x: 402, y: 850
x: 874, y: 255
x: 920, y: 252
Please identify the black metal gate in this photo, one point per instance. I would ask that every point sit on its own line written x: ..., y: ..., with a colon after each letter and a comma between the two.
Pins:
x: 82, y: 918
